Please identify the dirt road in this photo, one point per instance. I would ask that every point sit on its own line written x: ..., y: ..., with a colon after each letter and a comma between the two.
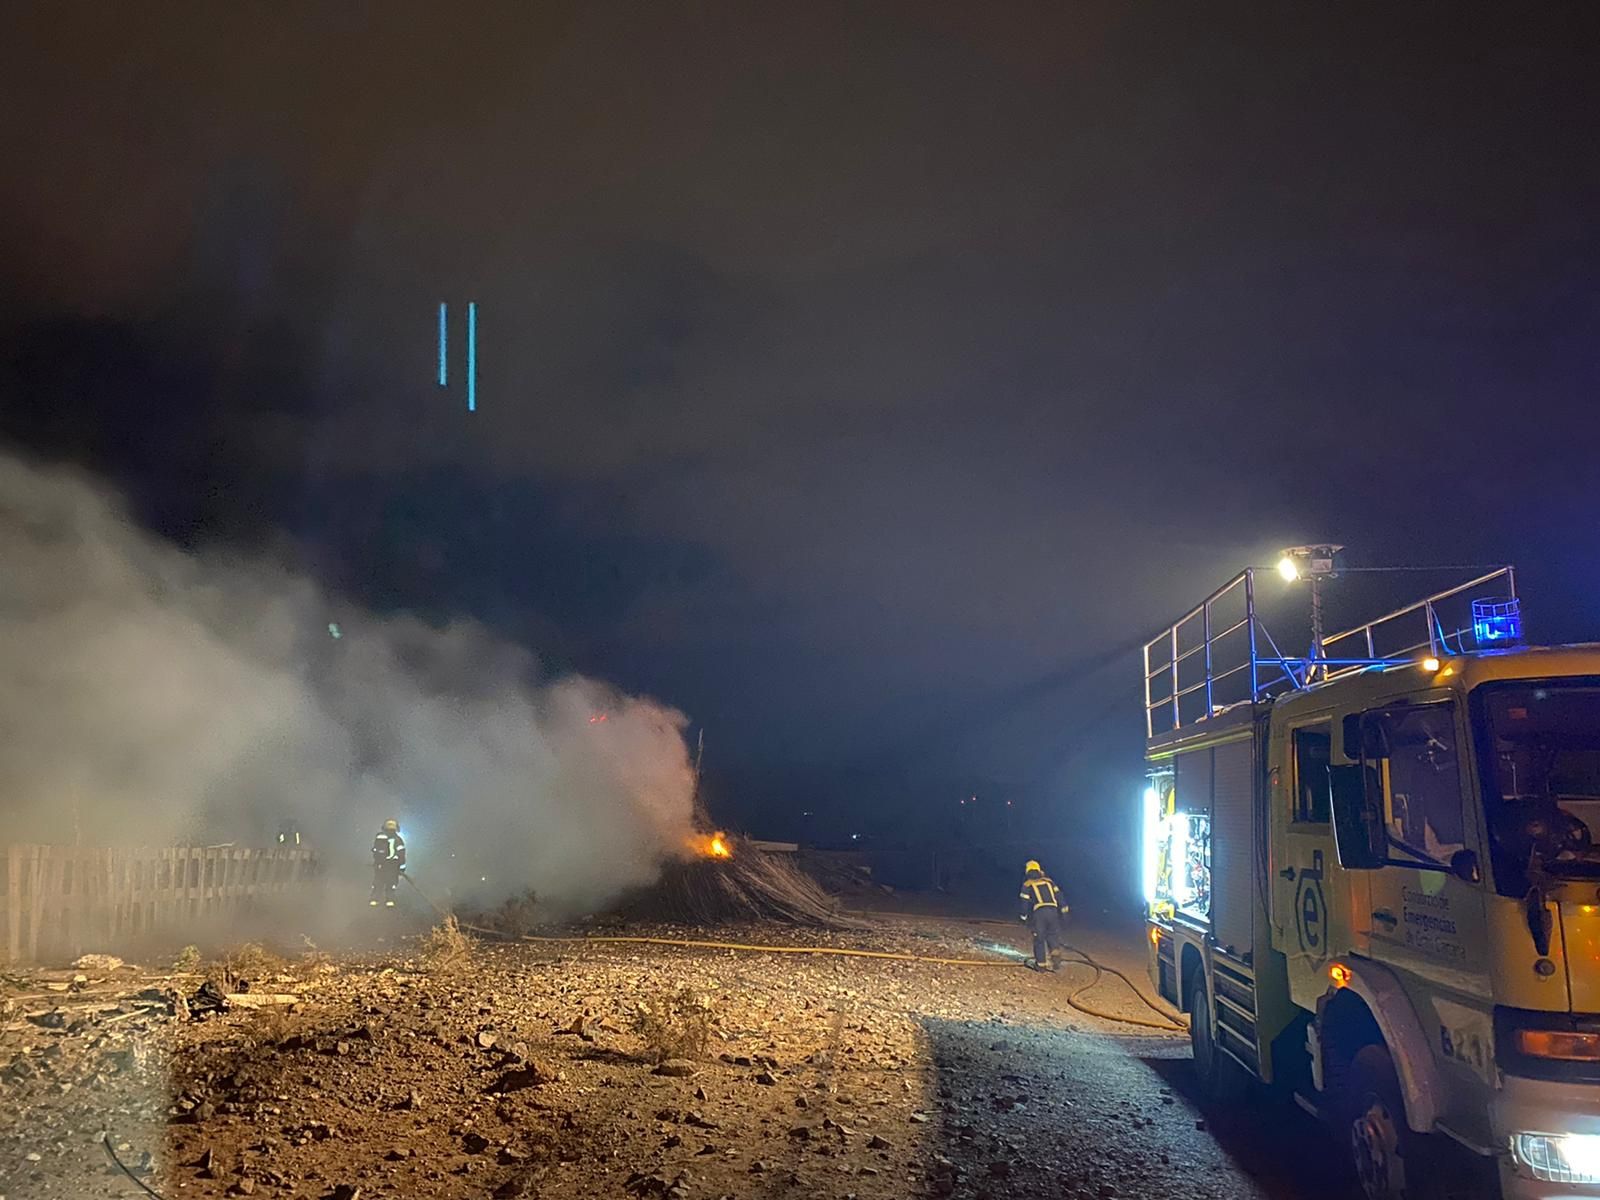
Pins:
x: 532, y: 1070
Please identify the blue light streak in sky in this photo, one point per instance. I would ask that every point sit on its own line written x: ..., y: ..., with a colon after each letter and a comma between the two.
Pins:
x: 443, y: 309
x: 472, y: 356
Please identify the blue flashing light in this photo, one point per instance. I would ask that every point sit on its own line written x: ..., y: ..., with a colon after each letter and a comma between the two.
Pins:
x: 472, y: 357
x: 1497, y: 622
x: 443, y: 343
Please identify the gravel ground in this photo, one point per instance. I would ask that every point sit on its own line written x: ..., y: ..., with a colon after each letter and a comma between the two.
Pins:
x: 522, y: 1071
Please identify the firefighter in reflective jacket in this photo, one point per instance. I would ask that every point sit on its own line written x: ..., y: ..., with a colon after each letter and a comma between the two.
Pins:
x: 1041, y: 908
x: 388, y: 863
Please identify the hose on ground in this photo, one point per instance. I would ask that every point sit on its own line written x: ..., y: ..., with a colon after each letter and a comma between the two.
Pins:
x: 139, y: 1183
x: 1167, y: 1024
x: 758, y: 947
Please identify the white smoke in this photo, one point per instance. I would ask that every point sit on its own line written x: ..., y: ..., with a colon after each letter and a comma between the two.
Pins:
x: 150, y: 696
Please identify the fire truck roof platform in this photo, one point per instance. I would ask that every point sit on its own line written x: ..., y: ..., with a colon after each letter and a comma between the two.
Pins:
x: 1218, y: 659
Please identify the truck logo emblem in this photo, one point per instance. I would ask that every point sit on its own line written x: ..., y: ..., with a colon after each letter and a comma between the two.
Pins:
x: 1311, y: 909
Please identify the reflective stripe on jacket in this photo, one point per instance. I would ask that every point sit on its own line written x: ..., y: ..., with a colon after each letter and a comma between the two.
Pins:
x: 1038, y: 892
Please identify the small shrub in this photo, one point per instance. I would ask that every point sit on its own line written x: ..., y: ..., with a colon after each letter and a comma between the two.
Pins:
x: 516, y: 915
x: 445, y: 947
x: 676, y: 1026
x: 250, y: 961
x: 271, y: 1025
x: 313, y: 955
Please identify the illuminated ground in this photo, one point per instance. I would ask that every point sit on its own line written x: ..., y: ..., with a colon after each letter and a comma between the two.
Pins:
x: 823, y: 1077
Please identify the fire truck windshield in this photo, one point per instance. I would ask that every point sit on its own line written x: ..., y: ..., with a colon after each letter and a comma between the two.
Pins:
x: 1539, y: 754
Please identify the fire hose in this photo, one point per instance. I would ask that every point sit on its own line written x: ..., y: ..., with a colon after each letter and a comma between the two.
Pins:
x: 1166, y: 1024
x: 105, y: 1141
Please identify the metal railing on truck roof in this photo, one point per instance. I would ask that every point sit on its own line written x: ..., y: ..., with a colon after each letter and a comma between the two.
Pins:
x: 1219, y: 653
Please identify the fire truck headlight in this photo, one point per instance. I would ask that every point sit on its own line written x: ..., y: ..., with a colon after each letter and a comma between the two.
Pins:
x: 1558, y: 1157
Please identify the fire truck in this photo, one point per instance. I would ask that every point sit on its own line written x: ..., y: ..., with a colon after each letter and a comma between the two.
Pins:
x: 1370, y: 879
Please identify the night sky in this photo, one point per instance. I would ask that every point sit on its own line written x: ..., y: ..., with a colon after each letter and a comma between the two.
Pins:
x: 858, y: 379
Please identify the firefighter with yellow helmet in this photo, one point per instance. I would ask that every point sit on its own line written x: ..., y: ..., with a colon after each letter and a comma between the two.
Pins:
x: 1042, y: 909
x: 388, y: 863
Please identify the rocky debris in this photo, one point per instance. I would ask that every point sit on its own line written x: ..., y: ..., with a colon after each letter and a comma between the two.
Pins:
x: 260, y: 999
x: 577, y: 1029
x: 208, y: 1000
x: 518, y: 1078
x: 654, y: 1183
x: 385, y: 1076
x: 98, y: 962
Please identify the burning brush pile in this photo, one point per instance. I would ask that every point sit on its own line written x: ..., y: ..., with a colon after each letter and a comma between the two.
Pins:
x: 728, y: 880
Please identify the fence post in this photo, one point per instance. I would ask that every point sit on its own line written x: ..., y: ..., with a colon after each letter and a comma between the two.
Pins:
x: 36, y: 897
x: 13, y: 903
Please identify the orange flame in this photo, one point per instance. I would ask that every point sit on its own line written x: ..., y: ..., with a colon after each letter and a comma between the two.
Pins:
x: 719, y: 846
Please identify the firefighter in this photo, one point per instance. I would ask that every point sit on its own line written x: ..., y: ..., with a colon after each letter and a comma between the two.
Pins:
x: 1041, y: 908
x: 388, y: 863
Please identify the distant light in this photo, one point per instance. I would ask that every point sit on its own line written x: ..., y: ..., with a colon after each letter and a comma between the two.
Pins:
x: 1340, y: 975
x: 855, y: 837
x: 1289, y: 569
x: 472, y: 356
x: 1430, y: 664
x: 333, y: 630
x: 483, y: 879
x: 443, y: 342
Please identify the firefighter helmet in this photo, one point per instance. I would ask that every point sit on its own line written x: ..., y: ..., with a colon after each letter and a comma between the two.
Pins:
x: 391, y: 826
x: 1032, y: 865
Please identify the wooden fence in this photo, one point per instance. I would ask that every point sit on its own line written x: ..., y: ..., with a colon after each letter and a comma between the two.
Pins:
x: 64, y: 900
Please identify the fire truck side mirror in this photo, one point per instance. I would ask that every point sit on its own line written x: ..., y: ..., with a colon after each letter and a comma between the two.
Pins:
x: 1464, y: 866
x: 1357, y: 824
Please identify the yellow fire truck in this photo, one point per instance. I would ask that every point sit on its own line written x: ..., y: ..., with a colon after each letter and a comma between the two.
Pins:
x: 1370, y: 879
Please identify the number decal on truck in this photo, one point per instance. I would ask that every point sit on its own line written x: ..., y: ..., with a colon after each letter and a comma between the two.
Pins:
x: 1467, y: 1037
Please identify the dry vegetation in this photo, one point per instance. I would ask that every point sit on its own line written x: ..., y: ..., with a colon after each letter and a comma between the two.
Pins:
x: 445, y: 948
x: 677, y: 1025
x: 243, y: 965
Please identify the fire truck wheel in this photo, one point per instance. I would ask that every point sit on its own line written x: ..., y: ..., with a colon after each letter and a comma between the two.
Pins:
x: 1221, y: 1078
x: 1381, y: 1144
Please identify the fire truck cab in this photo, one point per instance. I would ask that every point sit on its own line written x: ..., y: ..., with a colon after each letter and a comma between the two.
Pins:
x: 1370, y: 879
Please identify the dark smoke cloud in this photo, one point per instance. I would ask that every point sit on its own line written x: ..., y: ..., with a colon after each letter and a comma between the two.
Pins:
x: 151, y: 696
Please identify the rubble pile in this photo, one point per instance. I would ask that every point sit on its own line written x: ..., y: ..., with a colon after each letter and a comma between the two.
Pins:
x: 749, y: 885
